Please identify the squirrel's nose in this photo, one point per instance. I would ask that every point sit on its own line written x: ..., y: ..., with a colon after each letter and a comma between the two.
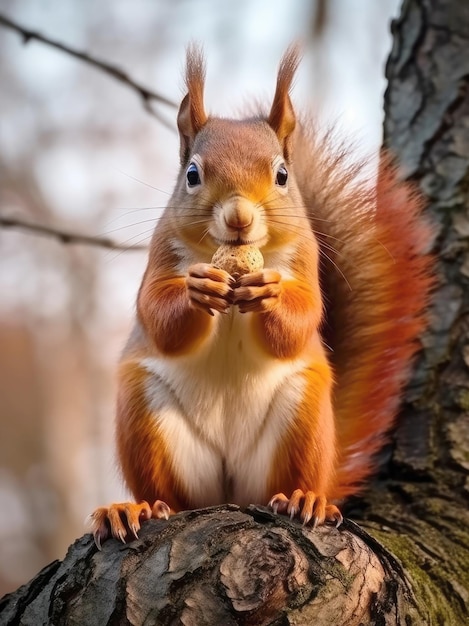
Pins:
x: 238, y: 213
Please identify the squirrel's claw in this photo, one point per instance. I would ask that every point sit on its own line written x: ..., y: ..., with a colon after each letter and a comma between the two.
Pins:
x: 160, y: 510
x: 121, y: 521
x: 308, y: 506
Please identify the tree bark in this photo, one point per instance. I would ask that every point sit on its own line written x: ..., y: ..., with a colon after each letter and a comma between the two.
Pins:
x: 421, y: 512
x: 221, y: 566
x: 224, y: 566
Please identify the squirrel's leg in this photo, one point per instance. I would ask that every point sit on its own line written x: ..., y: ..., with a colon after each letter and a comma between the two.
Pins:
x: 166, y: 466
x: 144, y: 459
x: 304, y: 464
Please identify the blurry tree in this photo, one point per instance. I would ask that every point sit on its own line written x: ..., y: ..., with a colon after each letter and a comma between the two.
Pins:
x: 56, y: 383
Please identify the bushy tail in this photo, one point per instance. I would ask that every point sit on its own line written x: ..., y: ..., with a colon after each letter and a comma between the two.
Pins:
x: 376, y: 274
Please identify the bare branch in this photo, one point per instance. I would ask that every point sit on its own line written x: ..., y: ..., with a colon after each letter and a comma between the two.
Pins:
x: 147, y: 96
x: 67, y: 237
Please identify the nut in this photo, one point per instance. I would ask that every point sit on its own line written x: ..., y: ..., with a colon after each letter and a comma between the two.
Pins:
x: 238, y: 260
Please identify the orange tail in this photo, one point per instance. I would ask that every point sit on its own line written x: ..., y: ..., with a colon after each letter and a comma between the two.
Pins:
x: 377, y: 275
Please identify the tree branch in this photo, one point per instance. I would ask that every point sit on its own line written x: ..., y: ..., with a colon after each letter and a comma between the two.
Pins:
x: 221, y: 565
x: 67, y: 237
x: 146, y: 95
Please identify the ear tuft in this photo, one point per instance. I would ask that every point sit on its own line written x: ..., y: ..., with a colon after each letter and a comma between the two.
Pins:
x: 282, y: 115
x: 192, y: 117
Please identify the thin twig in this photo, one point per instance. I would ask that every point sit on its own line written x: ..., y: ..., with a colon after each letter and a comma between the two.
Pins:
x: 146, y: 95
x: 67, y: 237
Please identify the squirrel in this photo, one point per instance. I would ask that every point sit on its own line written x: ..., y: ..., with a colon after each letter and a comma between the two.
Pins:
x: 281, y: 384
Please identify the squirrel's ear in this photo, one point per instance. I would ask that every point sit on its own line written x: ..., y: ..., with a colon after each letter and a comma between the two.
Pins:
x: 282, y: 115
x: 192, y: 117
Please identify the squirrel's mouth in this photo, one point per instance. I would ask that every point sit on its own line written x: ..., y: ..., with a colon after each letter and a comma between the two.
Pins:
x: 242, y: 241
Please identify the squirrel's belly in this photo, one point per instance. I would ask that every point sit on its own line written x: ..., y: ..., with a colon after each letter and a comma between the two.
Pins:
x: 223, y: 416
x: 226, y: 389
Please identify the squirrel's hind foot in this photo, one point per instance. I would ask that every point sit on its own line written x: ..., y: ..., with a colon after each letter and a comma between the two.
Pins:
x: 123, y: 520
x: 308, y: 507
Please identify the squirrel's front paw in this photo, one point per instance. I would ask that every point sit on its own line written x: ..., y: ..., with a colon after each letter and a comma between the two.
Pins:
x: 308, y: 506
x: 123, y: 520
x: 257, y: 292
x: 209, y: 288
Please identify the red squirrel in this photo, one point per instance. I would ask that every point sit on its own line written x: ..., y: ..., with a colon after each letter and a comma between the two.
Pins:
x: 280, y: 385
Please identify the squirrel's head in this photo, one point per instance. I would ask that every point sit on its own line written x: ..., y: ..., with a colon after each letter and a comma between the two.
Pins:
x: 192, y: 116
x: 237, y: 173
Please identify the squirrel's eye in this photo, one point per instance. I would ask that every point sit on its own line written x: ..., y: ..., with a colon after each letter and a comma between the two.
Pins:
x: 192, y: 175
x: 282, y: 176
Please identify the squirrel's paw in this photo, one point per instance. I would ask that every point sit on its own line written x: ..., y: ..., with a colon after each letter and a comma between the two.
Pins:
x: 308, y: 506
x: 123, y: 520
x: 209, y: 288
x: 257, y: 292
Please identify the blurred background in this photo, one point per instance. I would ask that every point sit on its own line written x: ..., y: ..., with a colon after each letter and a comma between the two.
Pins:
x: 78, y: 153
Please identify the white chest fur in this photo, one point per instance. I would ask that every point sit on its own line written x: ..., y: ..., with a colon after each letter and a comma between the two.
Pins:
x: 223, y: 412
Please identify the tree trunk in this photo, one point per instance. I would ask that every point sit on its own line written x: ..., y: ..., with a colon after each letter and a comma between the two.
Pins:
x: 421, y: 515
x: 224, y: 566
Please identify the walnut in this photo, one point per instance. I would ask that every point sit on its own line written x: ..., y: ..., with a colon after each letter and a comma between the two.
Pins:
x: 238, y: 260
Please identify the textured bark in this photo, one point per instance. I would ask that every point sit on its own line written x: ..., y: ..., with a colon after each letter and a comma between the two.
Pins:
x: 421, y: 512
x: 220, y: 566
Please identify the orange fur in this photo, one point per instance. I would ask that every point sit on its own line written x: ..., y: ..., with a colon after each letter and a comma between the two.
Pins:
x: 164, y: 309
x: 192, y: 116
x: 282, y: 116
x: 306, y: 458
x: 287, y: 328
x: 376, y: 279
x: 143, y: 453
x: 346, y: 267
